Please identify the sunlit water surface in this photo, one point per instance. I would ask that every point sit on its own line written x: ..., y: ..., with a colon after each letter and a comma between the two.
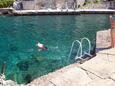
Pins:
x: 19, y: 36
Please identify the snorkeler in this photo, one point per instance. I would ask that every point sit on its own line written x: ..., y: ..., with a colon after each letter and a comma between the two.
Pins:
x: 41, y: 46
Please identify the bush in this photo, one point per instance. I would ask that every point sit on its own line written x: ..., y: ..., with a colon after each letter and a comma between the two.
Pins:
x: 6, y: 3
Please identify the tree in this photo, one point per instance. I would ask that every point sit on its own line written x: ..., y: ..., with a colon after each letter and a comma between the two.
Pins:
x: 6, y: 3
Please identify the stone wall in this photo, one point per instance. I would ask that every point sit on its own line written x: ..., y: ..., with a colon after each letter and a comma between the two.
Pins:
x: 28, y: 5
x: 80, y: 3
x: 112, y: 4
x: 60, y: 4
x: 51, y: 4
x: 65, y: 4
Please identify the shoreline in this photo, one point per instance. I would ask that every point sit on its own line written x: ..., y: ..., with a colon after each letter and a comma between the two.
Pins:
x: 12, y: 12
x: 62, y: 12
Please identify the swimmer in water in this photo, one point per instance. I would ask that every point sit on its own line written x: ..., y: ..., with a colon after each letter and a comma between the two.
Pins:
x: 41, y: 46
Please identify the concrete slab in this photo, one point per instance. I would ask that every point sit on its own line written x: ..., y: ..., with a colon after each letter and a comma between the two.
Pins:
x: 100, y: 65
x: 101, y: 82
x: 70, y: 77
x: 108, y: 51
x: 103, y: 39
x: 100, y: 70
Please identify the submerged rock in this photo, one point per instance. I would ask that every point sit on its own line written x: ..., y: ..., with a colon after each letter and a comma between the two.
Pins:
x: 13, y: 48
x: 23, y: 65
x: 28, y: 78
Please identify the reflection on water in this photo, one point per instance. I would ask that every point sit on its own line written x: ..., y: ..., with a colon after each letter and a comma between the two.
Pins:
x: 19, y: 37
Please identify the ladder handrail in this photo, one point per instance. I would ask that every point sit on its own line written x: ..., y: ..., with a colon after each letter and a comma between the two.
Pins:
x: 77, y: 56
x: 80, y: 46
x: 88, y: 43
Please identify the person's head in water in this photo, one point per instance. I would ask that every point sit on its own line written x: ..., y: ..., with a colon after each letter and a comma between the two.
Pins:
x: 41, y: 46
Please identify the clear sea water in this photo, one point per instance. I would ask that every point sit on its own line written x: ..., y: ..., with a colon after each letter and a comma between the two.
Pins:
x: 19, y: 36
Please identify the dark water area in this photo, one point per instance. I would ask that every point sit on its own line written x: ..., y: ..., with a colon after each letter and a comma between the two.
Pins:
x: 19, y: 36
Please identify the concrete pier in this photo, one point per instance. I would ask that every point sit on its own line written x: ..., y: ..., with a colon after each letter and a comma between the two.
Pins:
x: 5, y: 11
x: 11, y: 11
x: 99, y: 71
x: 63, y: 12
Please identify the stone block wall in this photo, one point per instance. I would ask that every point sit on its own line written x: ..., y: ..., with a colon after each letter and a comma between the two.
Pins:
x: 51, y: 4
x: 28, y: 5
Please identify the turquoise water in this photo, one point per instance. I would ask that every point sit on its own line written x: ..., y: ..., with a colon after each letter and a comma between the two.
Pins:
x: 19, y: 36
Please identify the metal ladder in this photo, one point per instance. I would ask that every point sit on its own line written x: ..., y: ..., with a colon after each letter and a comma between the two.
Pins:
x: 80, y: 52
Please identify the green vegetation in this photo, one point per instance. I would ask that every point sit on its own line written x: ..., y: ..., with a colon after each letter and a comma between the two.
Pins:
x: 6, y: 3
x: 95, y: 1
x: 98, y: 1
